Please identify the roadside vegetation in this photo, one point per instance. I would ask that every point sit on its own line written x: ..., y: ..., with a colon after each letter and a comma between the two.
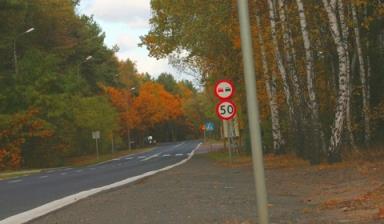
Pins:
x: 59, y: 83
x: 319, y: 67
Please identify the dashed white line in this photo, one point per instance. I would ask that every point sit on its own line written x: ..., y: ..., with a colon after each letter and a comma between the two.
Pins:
x: 14, y: 181
x: 150, y: 157
x: 129, y: 158
x: 166, y: 155
x: 179, y: 154
x: 141, y: 157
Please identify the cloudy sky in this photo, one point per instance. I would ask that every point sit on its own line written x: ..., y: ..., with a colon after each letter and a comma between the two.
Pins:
x: 124, y: 21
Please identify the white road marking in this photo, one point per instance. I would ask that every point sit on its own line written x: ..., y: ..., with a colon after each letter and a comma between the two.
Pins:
x: 150, y: 157
x: 141, y: 157
x: 14, y: 181
x: 179, y: 154
x: 178, y: 145
x: 54, y: 205
x: 129, y: 158
x: 166, y: 155
x: 42, y: 177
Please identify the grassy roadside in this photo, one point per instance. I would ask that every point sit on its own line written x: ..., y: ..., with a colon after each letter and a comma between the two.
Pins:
x: 75, y: 162
x: 222, y: 158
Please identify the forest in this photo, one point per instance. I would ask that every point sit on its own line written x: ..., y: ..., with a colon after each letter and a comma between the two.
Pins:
x: 319, y: 67
x: 59, y: 82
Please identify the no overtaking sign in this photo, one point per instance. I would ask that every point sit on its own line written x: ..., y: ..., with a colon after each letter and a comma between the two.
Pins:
x: 224, y: 90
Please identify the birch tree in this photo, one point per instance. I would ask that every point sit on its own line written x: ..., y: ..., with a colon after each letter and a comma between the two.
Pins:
x: 309, y: 64
x: 279, y: 61
x: 270, y: 85
x: 363, y: 75
x: 344, y: 38
x: 341, y: 103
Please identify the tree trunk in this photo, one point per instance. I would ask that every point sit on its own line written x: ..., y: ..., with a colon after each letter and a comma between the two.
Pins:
x: 345, y: 35
x: 270, y: 85
x: 341, y: 104
x: 279, y: 61
x: 309, y: 62
x: 288, y: 52
x: 363, y: 75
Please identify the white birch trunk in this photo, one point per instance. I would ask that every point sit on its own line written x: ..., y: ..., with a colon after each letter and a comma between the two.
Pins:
x: 363, y: 75
x: 288, y: 49
x: 309, y: 62
x: 279, y: 61
x: 345, y: 35
x: 341, y: 103
x: 270, y: 85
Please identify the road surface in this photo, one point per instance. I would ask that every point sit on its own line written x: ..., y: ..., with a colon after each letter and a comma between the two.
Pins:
x: 25, y: 193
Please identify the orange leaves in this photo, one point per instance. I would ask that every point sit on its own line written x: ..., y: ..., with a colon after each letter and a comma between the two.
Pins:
x: 155, y: 105
x: 18, y: 130
x: 381, y: 213
x: 119, y: 98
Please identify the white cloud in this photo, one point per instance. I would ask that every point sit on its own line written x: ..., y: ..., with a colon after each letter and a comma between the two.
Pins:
x: 146, y: 64
x: 135, y: 13
x: 127, y: 42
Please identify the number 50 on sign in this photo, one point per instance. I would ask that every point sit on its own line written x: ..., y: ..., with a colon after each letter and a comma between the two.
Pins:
x: 226, y: 109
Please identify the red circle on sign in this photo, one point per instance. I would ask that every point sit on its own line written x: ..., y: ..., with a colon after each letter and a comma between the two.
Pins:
x: 226, y: 109
x: 222, y: 87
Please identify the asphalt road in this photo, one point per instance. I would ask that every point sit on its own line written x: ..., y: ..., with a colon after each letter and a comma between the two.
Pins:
x: 25, y: 193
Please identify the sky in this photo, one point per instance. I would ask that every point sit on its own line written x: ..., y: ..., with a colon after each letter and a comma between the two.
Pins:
x: 123, y: 22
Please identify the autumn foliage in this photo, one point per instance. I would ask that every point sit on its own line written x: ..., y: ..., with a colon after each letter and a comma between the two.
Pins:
x: 17, y: 131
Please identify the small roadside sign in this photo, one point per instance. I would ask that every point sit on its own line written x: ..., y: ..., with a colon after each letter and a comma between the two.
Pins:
x: 209, y: 126
x: 96, y: 134
x: 226, y: 110
x: 224, y: 89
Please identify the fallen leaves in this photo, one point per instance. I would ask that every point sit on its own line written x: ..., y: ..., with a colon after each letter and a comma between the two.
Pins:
x: 381, y: 213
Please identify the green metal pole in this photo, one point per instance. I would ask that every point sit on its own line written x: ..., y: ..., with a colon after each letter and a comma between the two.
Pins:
x: 253, y: 111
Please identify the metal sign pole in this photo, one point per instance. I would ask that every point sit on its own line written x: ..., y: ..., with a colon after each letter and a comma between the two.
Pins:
x: 229, y: 141
x: 97, y: 150
x: 253, y: 111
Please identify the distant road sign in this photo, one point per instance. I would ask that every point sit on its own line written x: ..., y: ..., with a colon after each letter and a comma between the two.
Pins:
x: 224, y: 89
x: 226, y: 110
x: 209, y: 126
x: 96, y: 134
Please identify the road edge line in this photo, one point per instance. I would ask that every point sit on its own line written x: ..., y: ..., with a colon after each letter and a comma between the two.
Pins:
x: 60, y: 203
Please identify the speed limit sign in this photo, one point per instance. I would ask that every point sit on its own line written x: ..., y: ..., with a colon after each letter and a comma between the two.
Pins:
x: 226, y: 110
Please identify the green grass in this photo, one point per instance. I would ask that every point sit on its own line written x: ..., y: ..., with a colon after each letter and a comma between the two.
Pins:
x: 222, y: 158
x: 75, y: 162
x: 13, y: 174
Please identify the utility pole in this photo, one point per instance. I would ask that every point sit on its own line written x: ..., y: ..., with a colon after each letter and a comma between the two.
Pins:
x: 253, y: 111
x: 15, y: 49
